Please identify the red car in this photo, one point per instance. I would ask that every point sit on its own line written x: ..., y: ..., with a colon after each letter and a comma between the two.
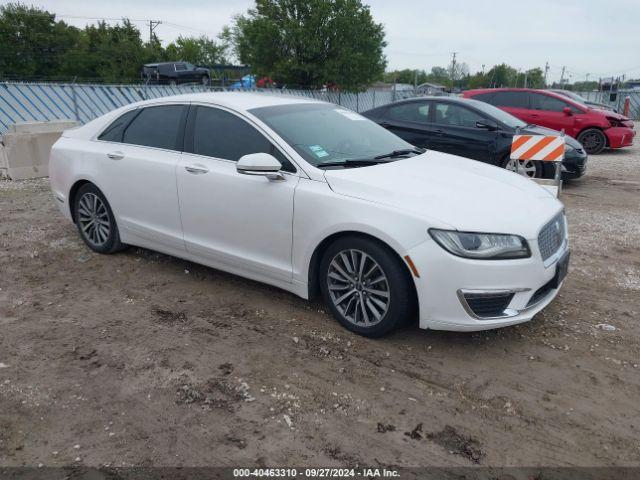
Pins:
x: 595, y: 129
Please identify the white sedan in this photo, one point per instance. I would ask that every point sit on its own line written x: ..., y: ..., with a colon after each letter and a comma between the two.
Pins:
x: 313, y: 198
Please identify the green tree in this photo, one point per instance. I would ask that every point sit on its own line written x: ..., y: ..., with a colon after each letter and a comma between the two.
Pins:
x: 199, y: 51
x: 584, y: 86
x: 32, y: 43
x: 501, y: 76
x: 110, y: 53
x: 439, y: 75
x: 535, y: 78
x: 405, y: 76
x: 311, y: 43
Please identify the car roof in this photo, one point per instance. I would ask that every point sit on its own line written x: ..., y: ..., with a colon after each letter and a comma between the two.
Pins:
x: 438, y: 98
x: 550, y: 93
x: 162, y: 63
x: 241, y: 101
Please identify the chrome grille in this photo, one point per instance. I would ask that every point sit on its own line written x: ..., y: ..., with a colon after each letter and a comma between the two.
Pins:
x: 552, y: 236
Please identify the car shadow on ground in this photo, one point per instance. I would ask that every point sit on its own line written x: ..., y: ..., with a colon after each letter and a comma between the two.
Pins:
x: 409, y: 334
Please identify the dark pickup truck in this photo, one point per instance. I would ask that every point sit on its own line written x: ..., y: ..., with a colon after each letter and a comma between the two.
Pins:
x: 175, y: 73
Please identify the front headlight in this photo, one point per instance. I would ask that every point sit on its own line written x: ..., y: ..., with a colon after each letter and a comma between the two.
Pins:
x: 487, y: 246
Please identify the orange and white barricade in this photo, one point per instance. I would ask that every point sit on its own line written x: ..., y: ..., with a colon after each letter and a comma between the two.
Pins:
x: 543, y: 148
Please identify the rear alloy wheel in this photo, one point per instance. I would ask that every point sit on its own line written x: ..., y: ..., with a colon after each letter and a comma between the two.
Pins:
x: 528, y: 168
x: 593, y: 140
x: 95, y: 221
x: 365, y: 286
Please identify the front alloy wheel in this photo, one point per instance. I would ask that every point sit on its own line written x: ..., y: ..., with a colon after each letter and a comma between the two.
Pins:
x: 366, y: 286
x: 593, y: 141
x: 358, y: 288
x: 527, y: 168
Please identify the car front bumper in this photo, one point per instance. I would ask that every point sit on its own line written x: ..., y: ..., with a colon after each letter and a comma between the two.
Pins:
x: 618, y: 137
x: 574, y: 164
x: 444, y: 278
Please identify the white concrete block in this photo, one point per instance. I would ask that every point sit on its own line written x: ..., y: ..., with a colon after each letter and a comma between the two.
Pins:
x: 26, y: 147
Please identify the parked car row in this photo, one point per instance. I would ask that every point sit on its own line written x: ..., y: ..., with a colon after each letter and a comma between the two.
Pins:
x: 594, y: 128
x: 471, y: 129
x: 311, y: 197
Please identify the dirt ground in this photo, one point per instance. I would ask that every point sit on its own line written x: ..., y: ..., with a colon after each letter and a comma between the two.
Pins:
x: 143, y: 359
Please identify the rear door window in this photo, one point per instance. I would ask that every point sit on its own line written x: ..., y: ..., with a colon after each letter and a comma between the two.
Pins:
x: 451, y: 114
x: 511, y: 99
x: 113, y: 133
x: 485, y: 97
x: 159, y: 127
x: 550, y: 104
x: 409, y: 112
x: 220, y: 134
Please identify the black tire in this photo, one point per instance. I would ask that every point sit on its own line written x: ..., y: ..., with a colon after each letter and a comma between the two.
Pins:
x: 397, y: 286
x: 102, y: 237
x: 593, y: 140
x: 507, y: 163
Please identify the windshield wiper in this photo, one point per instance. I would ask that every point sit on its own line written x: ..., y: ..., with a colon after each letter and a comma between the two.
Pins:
x: 354, y: 162
x: 400, y: 153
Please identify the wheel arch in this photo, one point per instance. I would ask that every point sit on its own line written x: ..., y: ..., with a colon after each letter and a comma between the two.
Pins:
x: 73, y: 191
x: 316, y: 257
x: 594, y: 127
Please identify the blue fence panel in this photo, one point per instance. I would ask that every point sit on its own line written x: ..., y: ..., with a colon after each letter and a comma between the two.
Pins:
x: 22, y: 102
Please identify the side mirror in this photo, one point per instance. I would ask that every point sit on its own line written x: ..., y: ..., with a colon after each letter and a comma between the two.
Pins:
x: 260, y: 164
x: 487, y: 125
x: 567, y: 111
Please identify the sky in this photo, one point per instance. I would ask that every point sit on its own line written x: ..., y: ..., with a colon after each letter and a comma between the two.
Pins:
x: 588, y: 37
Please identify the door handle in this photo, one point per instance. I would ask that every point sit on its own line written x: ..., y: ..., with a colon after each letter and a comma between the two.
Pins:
x: 115, y: 155
x: 196, y: 169
x: 533, y: 115
x: 384, y: 124
x: 439, y: 132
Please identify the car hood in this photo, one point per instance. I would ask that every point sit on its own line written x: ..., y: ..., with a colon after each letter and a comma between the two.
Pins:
x: 538, y: 130
x: 608, y: 113
x: 457, y: 192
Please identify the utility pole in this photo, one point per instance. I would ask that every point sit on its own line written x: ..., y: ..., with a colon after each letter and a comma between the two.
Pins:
x: 562, y: 78
x: 546, y: 70
x: 453, y: 69
x: 152, y: 26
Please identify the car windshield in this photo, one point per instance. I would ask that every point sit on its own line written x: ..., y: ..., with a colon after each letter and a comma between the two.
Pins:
x: 497, y: 114
x: 323, y: 133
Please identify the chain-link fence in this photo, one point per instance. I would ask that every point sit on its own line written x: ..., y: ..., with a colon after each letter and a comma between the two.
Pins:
x: 22, y: 102
x: 616, y: 99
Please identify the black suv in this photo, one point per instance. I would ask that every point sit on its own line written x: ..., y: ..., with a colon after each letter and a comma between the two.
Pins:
x: 175, y: 73
x: 471, y: 129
